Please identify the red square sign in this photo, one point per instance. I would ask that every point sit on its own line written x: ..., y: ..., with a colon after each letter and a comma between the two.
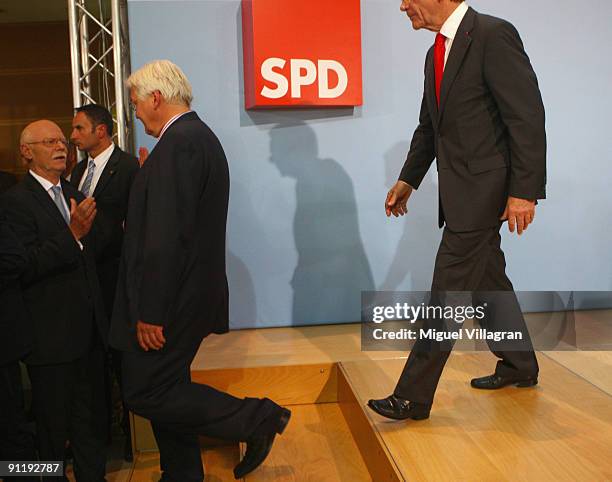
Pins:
x: 301, y: 53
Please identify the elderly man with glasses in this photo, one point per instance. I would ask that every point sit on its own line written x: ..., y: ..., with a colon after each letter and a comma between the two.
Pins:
x: 53, y: 221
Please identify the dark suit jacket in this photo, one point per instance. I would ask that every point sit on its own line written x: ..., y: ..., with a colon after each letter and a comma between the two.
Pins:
x: 173, y: 264
x: 488, y: 134
x: 59, y: 282
x: 111, y: 193
x: 15, y: 328
x: 7, y: 180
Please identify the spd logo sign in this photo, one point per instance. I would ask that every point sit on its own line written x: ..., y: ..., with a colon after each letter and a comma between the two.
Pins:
x: 301, y: 53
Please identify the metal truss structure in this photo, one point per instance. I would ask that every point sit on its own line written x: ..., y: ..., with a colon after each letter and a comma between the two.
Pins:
x: 100, y: 60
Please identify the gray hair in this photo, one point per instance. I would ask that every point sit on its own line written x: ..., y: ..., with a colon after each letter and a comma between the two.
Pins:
x: 164, y: 76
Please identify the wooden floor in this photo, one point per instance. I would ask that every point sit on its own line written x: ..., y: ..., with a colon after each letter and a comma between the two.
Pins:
x: 218, y: 465
x: 559, y: 431
x: 285, y: 346
x: 593, y: 366
x: 317, y: 447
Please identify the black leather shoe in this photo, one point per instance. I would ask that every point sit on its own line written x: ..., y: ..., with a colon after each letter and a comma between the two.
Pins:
x: 259, y: 447
x: 399, y: 408
x: 493, y: 382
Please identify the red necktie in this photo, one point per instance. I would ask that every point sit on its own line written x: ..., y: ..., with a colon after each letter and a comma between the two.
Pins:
x: 439, y: 53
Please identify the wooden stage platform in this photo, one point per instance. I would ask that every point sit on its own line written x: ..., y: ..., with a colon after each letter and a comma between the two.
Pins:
x: 559, y: 431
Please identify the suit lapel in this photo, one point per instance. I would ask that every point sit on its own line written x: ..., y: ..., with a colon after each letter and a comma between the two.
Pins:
x: 461, y: 45
x: 66, y: 187
x: 44, y: 199
x: 77, y: 173
x: 108, y: 172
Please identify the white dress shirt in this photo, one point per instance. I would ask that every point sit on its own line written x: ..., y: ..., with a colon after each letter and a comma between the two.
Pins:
x: 172, y: 121
x: 100, y: 161
x: 450, y: 27
x: 47, y: 185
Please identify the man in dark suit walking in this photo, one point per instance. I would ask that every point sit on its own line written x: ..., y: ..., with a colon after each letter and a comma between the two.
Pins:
x: 52, y: 221
x: 106, y: 175
x: 172, y: 290
x: 482, y: 118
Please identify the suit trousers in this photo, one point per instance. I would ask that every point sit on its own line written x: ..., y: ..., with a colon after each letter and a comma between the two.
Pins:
x: 68, y: 403
x: 157, y: 385
x: 473, y: 264
x: 16, y: 438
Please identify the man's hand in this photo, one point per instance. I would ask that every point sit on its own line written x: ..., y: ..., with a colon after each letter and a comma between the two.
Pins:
x: 397, y: 199
x: 71, y: 160
x: 520, y: 213
x: 143, y: 153
x: 82, y: 217
x: 150, y: 337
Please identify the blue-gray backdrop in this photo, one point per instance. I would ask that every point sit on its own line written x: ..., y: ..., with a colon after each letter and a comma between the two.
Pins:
x: 306, y: 229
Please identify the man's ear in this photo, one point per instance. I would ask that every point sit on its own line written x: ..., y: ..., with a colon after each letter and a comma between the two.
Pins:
x: 26, y: 152
x: 100, y: 131
x: 157, y: 99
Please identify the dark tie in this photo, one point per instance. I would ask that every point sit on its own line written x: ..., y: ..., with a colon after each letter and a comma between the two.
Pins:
x: 439, y: 53
x: 57, y: 198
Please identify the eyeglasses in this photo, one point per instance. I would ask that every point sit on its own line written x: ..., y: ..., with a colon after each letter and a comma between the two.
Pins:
x: 51, y: 142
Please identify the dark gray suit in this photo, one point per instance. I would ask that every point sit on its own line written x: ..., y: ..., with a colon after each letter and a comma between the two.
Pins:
x: 7, y: 180
x: 70, y: 328
x: 489, y: 140
x: 173, y: 275
x: 16, y: 438
x: 111, y: 194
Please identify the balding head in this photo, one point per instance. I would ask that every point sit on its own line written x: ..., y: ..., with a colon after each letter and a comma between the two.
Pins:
x: 43, y: 146
x: 39, y: 130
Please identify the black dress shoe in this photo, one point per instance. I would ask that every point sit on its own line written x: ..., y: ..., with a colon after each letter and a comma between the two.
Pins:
x: 400, y: 408
x: 493, y: 382
x: 259, y: 447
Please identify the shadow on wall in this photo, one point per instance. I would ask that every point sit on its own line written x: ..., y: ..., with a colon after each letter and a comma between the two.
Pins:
x: 332, y: 267
x: 243, y: 303
x: 416, y: 250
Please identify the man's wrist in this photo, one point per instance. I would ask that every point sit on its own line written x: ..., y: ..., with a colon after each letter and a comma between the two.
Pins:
x: 76, y: 238
x: 74, y: 234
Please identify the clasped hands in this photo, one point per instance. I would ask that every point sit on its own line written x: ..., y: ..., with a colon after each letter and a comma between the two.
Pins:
x: 519, y: 213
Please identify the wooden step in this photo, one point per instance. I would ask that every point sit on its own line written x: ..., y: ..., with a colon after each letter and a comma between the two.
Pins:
x: 218, y: 463
x: 560, y: 430
x: 317, y: 446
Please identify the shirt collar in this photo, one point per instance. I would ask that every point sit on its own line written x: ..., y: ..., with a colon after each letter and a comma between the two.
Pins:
x: 450, y: 27
x: 45, y: 183
x: 172, y: 121
x: 103, y: 156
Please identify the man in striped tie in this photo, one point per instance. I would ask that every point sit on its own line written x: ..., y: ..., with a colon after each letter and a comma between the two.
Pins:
x: 53, y: 221
x: 106, y: 174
